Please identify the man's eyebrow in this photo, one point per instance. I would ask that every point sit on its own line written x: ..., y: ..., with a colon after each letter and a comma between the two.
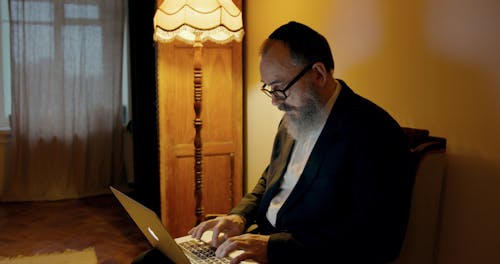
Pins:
x: 272, y: 83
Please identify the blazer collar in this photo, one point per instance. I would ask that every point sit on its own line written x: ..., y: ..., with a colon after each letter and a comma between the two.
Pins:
x: 286, y: 144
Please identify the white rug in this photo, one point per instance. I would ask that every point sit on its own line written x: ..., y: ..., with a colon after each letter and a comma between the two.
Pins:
x: 86, y: 256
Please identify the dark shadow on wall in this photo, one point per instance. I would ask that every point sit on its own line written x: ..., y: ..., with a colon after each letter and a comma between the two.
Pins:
x: 470, y: 211
x: 453, y: 99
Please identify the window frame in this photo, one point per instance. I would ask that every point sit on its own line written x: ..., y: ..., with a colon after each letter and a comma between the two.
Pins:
x: 5, y: 68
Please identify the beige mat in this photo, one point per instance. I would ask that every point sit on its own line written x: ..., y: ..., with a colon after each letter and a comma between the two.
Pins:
x: 86, y: 256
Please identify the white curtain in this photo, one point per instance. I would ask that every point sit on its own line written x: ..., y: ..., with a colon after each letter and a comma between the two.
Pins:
x: 66, y: 117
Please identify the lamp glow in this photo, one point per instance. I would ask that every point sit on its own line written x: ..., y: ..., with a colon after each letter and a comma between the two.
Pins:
x: 219, y: 21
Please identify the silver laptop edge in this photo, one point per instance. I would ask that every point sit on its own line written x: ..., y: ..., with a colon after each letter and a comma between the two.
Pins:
x: 151, y: 226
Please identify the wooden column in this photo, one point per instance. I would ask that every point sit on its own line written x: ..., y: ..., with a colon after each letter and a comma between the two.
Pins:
x: 198, y: 152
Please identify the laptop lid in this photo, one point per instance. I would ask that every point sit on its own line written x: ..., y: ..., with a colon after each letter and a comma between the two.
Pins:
x: 151, y: 226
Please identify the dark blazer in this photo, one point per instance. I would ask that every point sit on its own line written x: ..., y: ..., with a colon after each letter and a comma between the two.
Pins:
x: 352, y: 200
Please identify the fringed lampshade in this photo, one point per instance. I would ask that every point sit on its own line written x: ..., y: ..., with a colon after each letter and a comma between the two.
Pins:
x: 219, y: 21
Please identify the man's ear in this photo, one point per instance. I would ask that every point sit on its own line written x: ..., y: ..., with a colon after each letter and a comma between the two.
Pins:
x: 321, y: 74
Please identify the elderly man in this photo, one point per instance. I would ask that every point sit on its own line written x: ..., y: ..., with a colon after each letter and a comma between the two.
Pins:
x: 338, y: 185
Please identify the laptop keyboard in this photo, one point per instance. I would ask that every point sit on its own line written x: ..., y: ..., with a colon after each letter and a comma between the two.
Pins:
x: 201, y: 252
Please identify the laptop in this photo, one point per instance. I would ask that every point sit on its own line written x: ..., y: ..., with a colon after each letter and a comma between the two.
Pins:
x: 180, y: 250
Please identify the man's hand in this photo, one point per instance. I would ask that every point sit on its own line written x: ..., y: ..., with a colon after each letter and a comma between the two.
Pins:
x: 229, y: 225
x: 253, y: 247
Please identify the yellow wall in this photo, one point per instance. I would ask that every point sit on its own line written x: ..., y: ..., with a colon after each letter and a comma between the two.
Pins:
x: 431, y: 64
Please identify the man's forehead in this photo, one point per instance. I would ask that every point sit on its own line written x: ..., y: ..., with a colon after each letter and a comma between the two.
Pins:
x: 276, y: 62
x: 277, y: 52
x: 274, y: 71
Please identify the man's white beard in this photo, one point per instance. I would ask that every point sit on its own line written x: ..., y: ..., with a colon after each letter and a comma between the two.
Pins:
x: 306, y: 118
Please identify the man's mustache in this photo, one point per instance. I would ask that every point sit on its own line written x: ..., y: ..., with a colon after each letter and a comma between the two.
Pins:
x: 285, y: 107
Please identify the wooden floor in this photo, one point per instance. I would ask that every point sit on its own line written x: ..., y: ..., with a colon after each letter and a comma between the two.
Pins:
x: 45, y: 227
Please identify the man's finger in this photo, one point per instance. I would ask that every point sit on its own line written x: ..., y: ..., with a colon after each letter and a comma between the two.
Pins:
x: 227, y: 247
x: 240, y: 258
x: 215, y: 236
x: 198, y: 231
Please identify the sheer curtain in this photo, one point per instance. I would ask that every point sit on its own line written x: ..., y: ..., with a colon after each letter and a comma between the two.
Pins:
x: 66, y: 80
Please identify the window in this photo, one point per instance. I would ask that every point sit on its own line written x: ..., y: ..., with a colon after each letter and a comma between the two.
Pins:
x: 40, y: 20
x: 5, y: 91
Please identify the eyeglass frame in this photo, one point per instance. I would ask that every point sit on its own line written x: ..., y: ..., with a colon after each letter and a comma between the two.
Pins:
x: 280, y: 94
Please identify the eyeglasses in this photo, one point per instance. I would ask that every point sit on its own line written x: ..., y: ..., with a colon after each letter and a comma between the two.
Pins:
x: 280, y: 93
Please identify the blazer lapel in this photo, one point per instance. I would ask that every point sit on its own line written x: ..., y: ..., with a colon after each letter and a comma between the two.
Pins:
x: 277, y: 168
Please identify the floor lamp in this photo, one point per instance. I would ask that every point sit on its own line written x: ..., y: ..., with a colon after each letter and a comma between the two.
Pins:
x: 194, y: 22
